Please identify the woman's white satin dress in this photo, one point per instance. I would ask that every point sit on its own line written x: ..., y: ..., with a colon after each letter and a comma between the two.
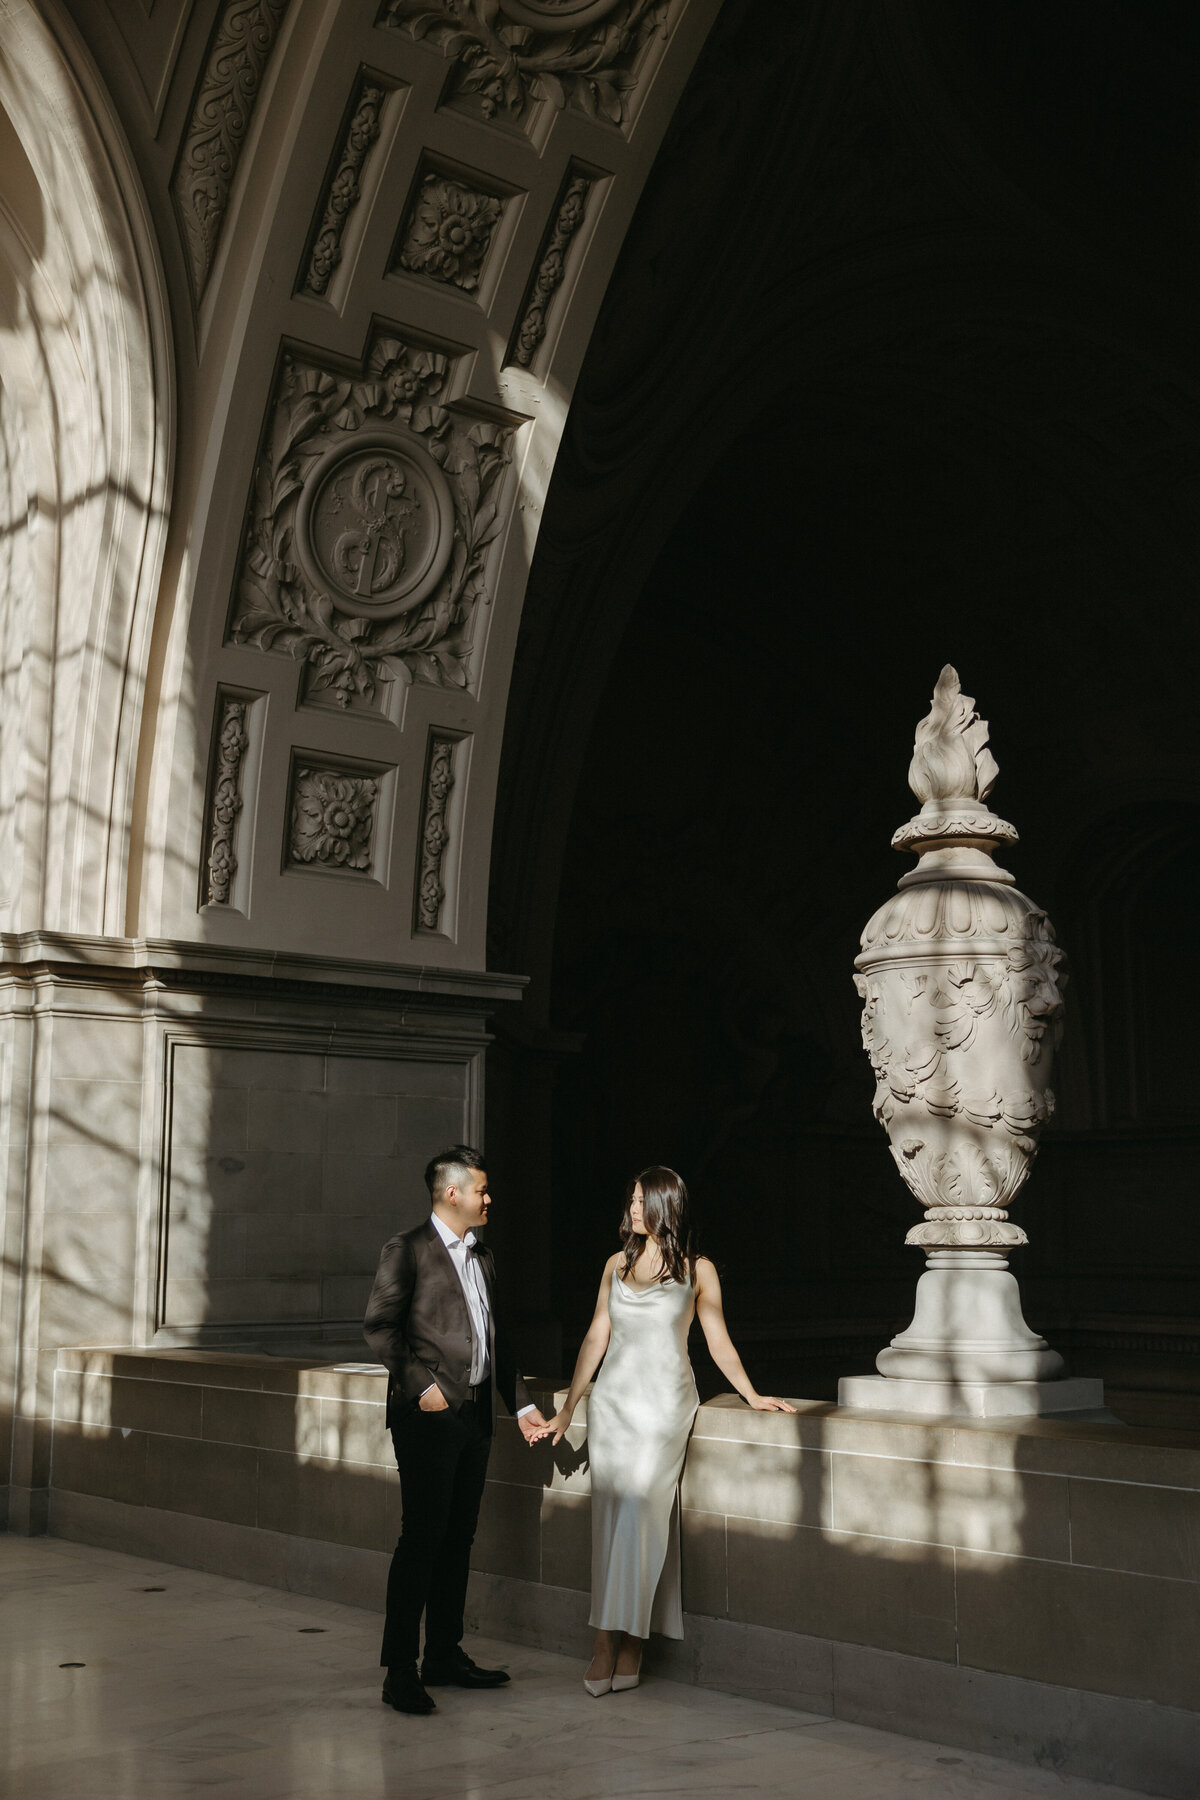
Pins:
x: 639, y: 1416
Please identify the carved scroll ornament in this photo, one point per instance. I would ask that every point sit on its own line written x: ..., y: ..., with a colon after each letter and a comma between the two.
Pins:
x: 961, y: 983
x: 212, y: 146
x: 343, y: 195
x: 373, y: 509
x: 550, y: 270
x: 435, y: 834
x: 226, y: 802
x: 509, y: 52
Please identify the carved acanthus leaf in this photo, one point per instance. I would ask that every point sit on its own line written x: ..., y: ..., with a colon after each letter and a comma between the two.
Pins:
x: 509, y: 52
x: 237, y: 59
x: 398, y: 484
x: 967, y: 1183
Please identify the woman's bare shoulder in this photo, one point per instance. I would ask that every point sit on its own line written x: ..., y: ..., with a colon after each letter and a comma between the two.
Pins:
x: 611, y: 1264
x: 706, y: 1269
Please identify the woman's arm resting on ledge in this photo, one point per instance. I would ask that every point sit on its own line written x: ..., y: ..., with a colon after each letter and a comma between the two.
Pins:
x: 591, y: 1355
x: 711, y: 1315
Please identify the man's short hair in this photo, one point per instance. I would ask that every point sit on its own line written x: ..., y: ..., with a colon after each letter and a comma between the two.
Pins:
x: 449, y: 1169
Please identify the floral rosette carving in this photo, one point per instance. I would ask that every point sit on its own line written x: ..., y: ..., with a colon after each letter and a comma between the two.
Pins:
x: 333, y: 816
x: 408, y: 509
x: 509, y: 52
x: 961, y: 982
x: 448, y: 232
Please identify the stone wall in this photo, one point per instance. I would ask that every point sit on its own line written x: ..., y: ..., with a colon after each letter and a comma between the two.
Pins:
x: 208, y: 1150
x: 1028, y: 1590
x: 290, y: 1164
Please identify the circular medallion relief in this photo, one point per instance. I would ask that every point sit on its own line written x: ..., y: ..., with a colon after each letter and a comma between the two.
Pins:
x: 375, y: 525
x: 556, y: 15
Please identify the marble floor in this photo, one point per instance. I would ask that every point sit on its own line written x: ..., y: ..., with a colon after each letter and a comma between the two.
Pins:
x: 124, y: 1679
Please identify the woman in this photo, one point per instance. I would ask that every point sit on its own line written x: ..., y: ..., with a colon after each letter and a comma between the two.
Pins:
x: 639, y: 1416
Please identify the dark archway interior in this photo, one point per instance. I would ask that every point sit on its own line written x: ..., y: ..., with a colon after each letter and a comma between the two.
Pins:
x: 899, y: 367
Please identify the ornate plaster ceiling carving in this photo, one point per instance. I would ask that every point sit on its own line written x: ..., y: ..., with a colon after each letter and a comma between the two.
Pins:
x: 388, y: 265
x: 374, y: 508
x: 241, y: 45
x: 510, y: 53
x: 344, y: 190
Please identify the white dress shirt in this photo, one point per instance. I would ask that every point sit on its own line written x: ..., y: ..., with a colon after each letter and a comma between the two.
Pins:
x: 474, y: 1288
x: 470, y: 1276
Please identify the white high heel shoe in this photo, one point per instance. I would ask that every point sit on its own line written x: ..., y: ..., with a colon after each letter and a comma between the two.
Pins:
x: 622, y: 1683
x: 596, y: 1688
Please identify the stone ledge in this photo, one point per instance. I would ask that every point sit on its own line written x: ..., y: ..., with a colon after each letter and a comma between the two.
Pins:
x: 1065, y: 1552
x: 304, y: 1377
x: 1083, y: 1449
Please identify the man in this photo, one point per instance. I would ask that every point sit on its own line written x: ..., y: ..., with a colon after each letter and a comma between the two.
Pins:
x: 432, y: 1319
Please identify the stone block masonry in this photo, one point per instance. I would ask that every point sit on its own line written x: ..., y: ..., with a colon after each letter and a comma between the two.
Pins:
x: 1025, y: 1587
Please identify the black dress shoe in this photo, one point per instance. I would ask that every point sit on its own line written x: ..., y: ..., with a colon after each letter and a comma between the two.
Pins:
x: 457, y: 1670
x: 402, y: 1690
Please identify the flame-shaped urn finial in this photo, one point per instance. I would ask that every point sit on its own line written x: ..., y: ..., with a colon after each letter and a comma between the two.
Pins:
x: 961, y: 983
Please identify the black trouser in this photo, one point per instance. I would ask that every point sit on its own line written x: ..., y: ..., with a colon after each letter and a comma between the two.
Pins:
x: 442, y: 1458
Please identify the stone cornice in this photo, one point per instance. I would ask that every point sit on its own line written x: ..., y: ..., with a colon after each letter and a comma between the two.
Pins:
x: 163, y: 957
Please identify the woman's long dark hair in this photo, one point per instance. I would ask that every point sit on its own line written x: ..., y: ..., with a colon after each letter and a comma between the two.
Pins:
x: 666, y: 1218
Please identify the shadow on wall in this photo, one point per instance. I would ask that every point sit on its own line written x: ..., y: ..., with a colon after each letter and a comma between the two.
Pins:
x: 1057, y: 1553
x: 1047, y: 1552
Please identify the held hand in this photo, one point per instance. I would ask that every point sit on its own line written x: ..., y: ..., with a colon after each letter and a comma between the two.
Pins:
x: 531, y: 1424
x: 433, y: 1400
x: 768, y: 1403
x: 557, y: 1425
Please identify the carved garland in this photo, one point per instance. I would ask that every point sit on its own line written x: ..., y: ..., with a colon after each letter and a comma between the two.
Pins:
x: 435, y: 833
x: 508, y: 52
x: 550, y: 271
x: 344, y: 190
x: 372, y: 513
x: 237, y: 59
x: 226, y: 803
x: 1024, y: 989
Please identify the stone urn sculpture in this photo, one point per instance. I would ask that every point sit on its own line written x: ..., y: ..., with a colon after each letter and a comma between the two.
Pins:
x: 961, y: 983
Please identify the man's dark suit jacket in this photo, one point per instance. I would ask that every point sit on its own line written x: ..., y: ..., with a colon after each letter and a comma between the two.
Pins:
x: 417, y: 1323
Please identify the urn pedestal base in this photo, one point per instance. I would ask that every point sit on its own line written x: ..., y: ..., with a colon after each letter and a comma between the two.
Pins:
x: 1082, y: 1396
x: 969, y: 1352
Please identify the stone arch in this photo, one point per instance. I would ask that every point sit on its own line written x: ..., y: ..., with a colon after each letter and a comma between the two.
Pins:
x: 87, y: 381
x: 329, y: 313
x: 829, y: 297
